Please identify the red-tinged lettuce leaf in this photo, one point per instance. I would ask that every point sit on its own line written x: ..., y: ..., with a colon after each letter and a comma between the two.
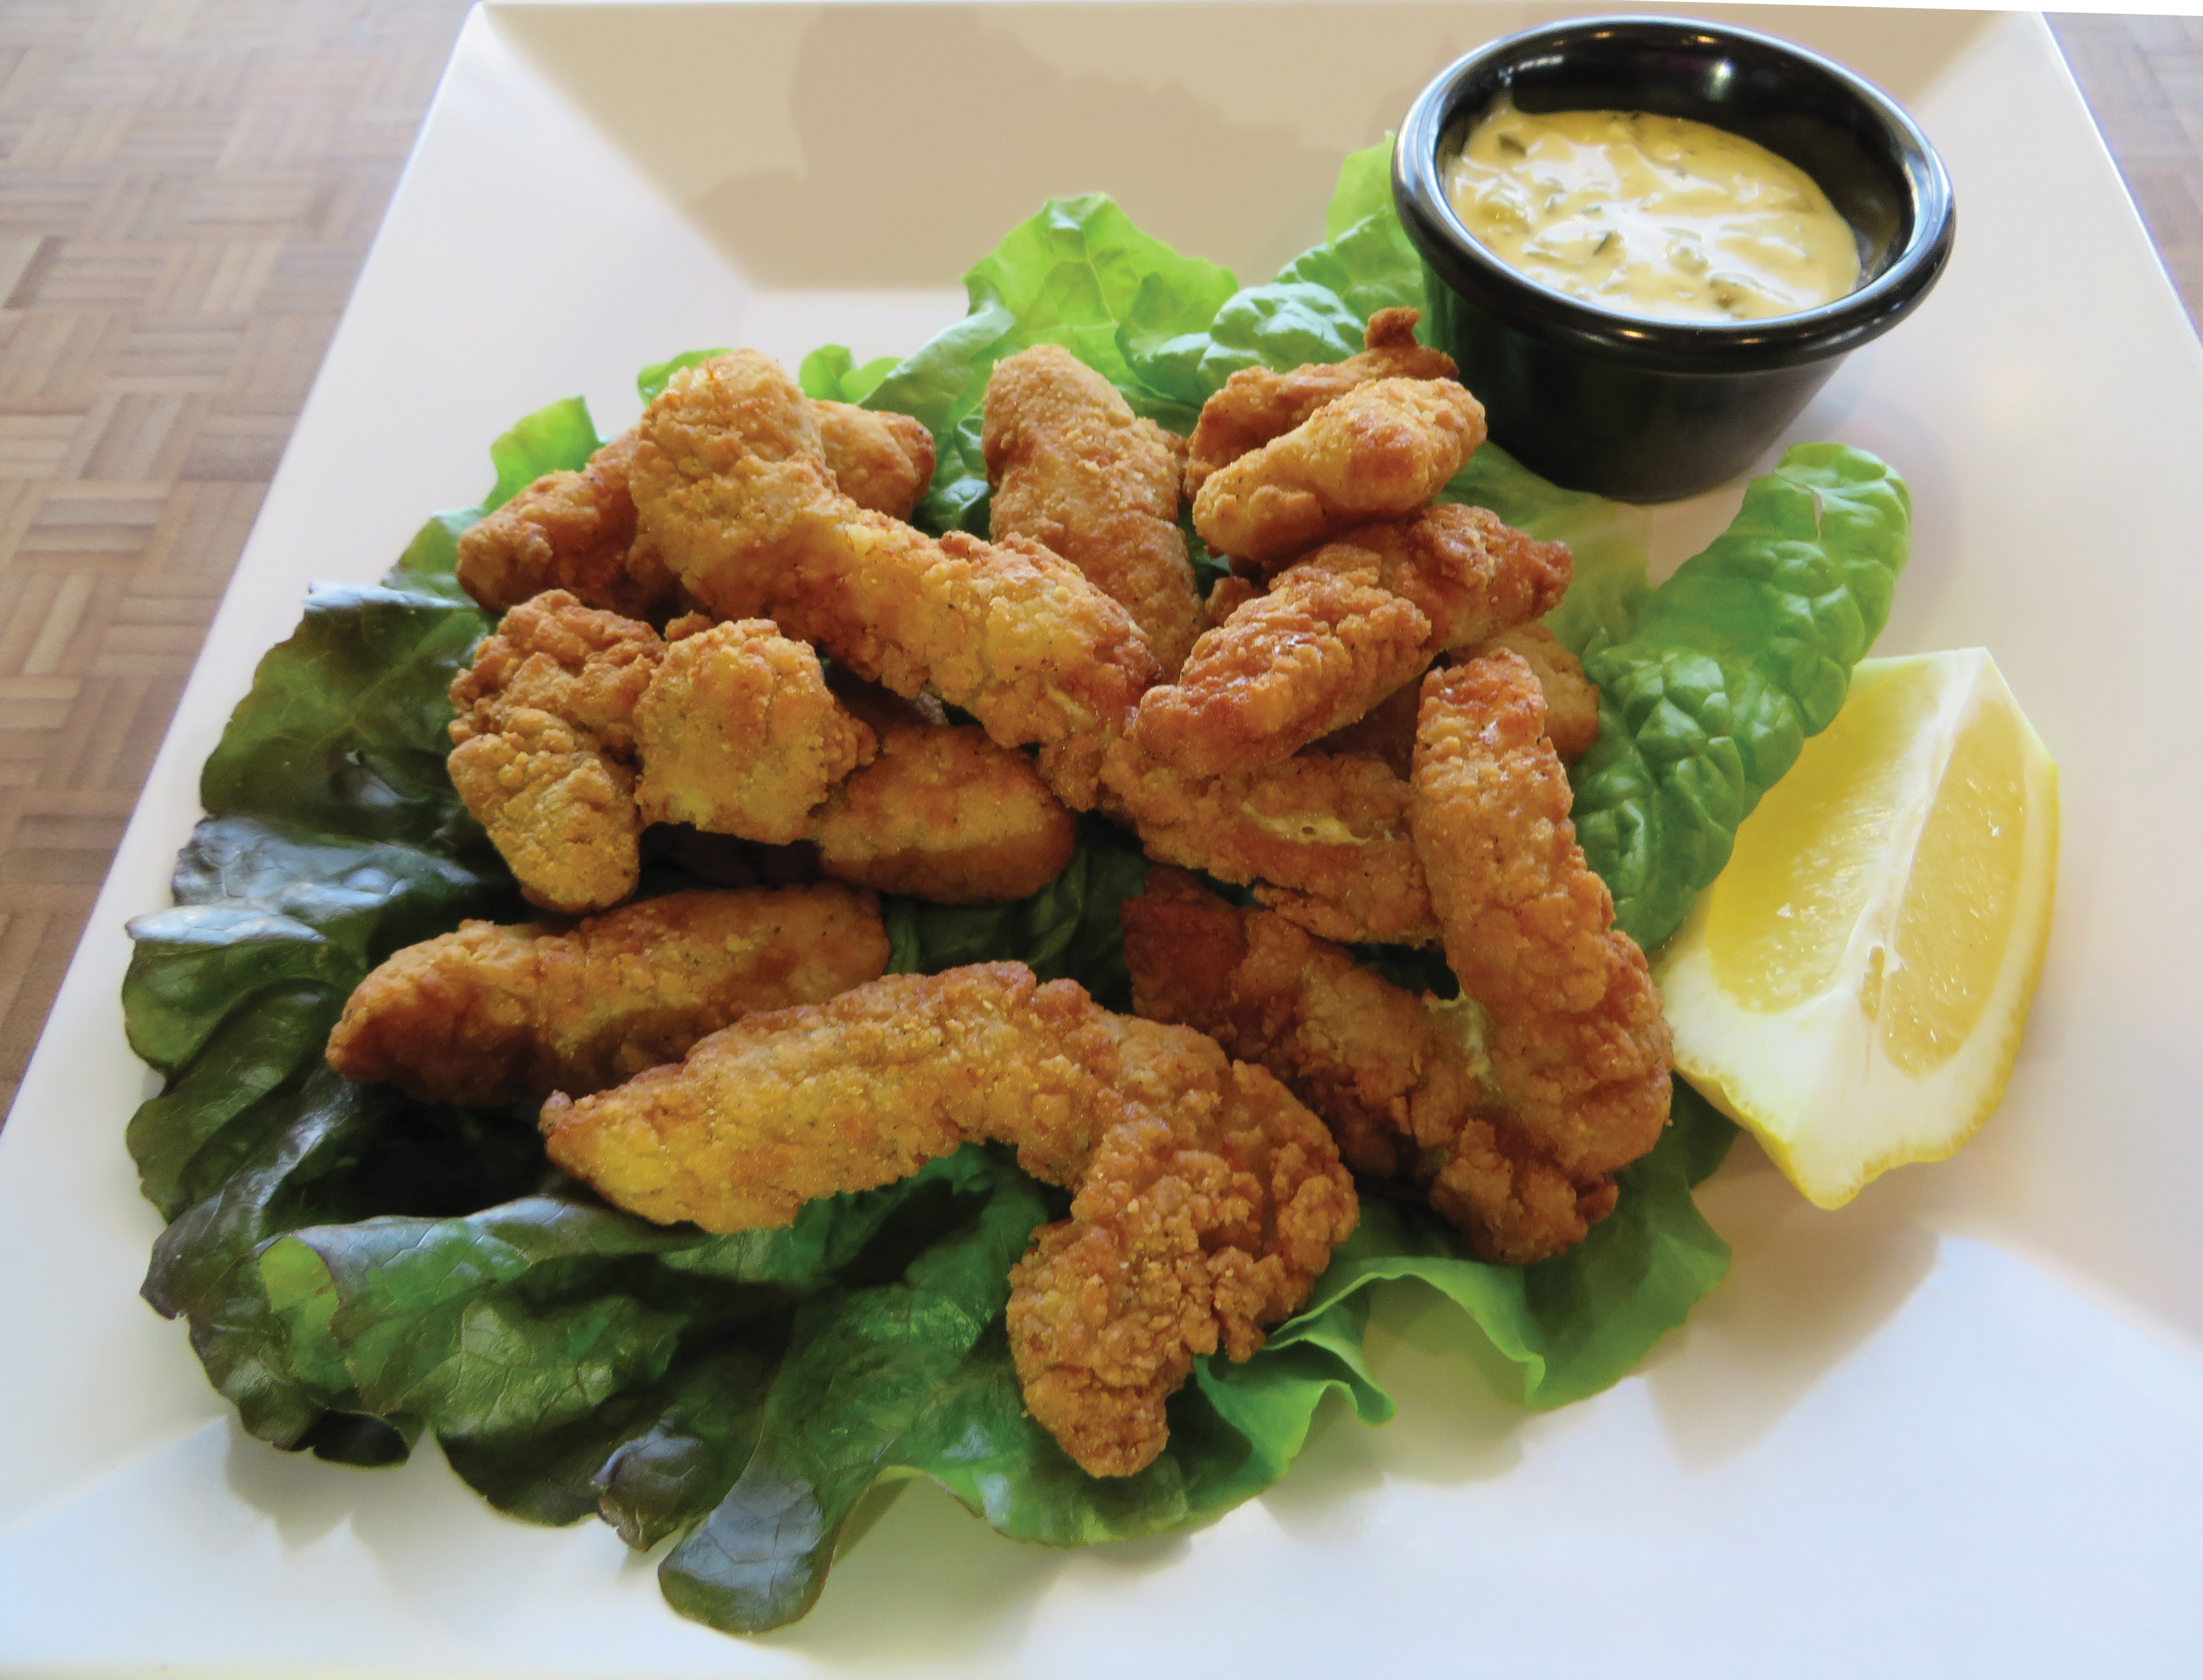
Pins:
x: 673, y: 1456
x: 336, y: 839
x: 526, y: 1336
x: 538, y: 1339
x: 866, y: 1370
x: 317, y: 1151
x: 343, y: 731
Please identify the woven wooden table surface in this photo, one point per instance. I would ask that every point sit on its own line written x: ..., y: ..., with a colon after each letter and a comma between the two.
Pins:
x: 187, y: 189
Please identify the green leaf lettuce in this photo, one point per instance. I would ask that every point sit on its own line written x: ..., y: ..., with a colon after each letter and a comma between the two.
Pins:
x: 1731, y: 663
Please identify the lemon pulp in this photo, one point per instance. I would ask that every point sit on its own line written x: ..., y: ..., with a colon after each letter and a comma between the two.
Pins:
x: 1955, y: 923
x: 1852, y: 987
x: 1792, y: 892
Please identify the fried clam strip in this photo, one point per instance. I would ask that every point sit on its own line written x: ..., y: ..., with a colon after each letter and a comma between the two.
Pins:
x: 881, y: 460
x: 1256, y: 405
x: 1073, y: 468
x: 943, y: 814
x: 738, y: 734
x: 729, y: 481
x: 1323, y: 838
x: 1571, y: 698
x: 570, y: 531
x: 1205, y: 1199
x: 1343, y: 627
x: 543, y: 748
x: 1387, y: 730
x: 1380, y: 452
x: 578, y: 531
x: 1395, y: 1075
x: 1579, y: 1044
x: 491, y: 1014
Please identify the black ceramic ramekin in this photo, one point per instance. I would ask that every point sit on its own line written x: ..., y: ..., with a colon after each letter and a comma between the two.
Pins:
x: 1649, y: 410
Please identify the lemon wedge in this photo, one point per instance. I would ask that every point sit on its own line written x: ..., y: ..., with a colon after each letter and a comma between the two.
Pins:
x: 1852, y: 987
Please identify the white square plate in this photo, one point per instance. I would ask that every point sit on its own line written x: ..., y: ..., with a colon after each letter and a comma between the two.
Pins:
x: 1951, y: 1430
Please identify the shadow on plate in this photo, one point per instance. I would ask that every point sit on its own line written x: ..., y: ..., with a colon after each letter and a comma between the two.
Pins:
x: 1805, y: 1289
x: 921, y: 136
x: 423, y: 1526
x: 890, y: 146
x: 929, y: 1575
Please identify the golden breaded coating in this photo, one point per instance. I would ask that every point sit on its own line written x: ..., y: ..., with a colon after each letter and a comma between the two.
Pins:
x: 740, y: 735
x: 1571, y: 698
x: 570, y: 531
x: 1073, y: 468
x: 544, y: 745
x: 1386, y: 732
x: 1343, y: 627
x: 1009, y: 631
x: 1195, y: 1225
x: 729, y: 471
x: 1257, y: 404
x: 1207, y: 1200
x: 1231, y: 593
x: 554, y: 654
x: 1399, y: 1078
x: 1317, y: 651
x: 1380, y: 452
x: 729, y: 479
x: 1323, y: 838
x: 1579, y: 1044
x: 1472, y: 574
x: 944, y: 814
x: 578, y: 532
x: 494, y: 1014
x: 881, y: 459
x: 559, y: 811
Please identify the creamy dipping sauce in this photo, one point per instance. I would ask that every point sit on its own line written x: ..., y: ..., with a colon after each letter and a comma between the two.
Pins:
x: 1651, y: 215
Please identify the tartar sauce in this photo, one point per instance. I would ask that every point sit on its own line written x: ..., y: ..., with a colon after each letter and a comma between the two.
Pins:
x: 1651, y: 216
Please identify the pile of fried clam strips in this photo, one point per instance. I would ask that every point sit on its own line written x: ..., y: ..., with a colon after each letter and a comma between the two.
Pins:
x: 359, y: 1268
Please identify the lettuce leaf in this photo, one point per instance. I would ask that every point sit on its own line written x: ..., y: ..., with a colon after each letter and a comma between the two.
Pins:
x: 1611, y: 543
x: 1732, y: 663
x: 1313, y: 310
x: 1068, y: 930
x: 1364, y: 188
x: 830, y: 373
x: 1069, y: 275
